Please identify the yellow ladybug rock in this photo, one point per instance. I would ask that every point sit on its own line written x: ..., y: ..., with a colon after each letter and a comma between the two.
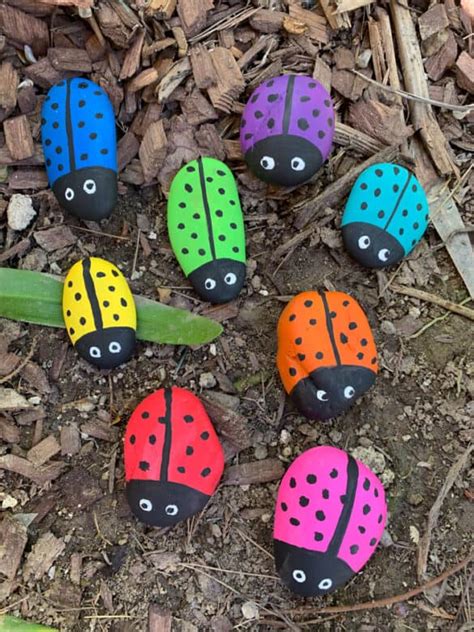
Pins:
x: 99, y: 312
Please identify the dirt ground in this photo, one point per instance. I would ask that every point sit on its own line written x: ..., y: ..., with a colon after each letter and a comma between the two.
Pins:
x: 216, y: 572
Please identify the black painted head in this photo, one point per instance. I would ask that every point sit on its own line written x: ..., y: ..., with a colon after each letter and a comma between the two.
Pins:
x: 371, y: 246
x: 328, y: 392
x: 284, y: 160
x: 309, y: 573
x: 219, y: 281
x: 89, y: 193
x: 164, y: 504
x: 107, y: 348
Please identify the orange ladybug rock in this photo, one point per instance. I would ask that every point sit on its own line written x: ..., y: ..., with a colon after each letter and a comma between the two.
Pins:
x: 326, y: 353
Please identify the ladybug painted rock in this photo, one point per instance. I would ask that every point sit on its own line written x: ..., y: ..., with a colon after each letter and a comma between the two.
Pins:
x: 386, y: 215
x: 206, y: 229
x: 79, y: 145
x: 287, y: 129
x: 99, y: 312
x: 173, y: 457
x: 326, y: 353
x: 330, y: 515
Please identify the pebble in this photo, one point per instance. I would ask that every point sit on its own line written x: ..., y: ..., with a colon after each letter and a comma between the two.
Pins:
x: 285, y: 437
x: 207, y: 380
x: 20, y: 211
x: 388, y: 328
x: 375, y: 461
x: 260, y: 452
x: 335, y: 436
x: 250, y: 610
x: 415, y: 499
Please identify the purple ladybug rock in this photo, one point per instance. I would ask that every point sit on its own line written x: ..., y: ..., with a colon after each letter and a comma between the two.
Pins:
x: 330, y: 515
x: 287, y: 129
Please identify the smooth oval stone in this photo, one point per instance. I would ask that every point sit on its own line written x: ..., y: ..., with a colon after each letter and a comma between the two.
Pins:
x: 206, y: 229
x: 79, y: 145
x: 329, y: 517
x: 287, y: 129
x: 173, y: 458
x: 99, y: 312
x: 386, y: 215
x: 326, y: 353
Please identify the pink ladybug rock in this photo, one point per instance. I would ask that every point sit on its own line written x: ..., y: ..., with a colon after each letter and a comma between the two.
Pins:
x: 330, y: 515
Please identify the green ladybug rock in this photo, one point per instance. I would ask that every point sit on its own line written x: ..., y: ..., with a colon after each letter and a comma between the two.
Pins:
x: 206, y: 229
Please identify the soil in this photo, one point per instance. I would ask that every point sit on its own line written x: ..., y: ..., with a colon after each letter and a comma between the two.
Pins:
x: 215, y: 572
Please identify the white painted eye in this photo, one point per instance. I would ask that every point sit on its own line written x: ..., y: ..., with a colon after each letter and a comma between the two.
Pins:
x: 299, y: 576
x: 89, y: 187
x: 69, y: 194
x: 209, y: 284
x: 325, y: 584
x: 230, y: 278
x: 364, y: 242
x: 322, y: 396
x: 268, y: 163
x: 383, y: 254
x: 171, y: 510
x: 145, y: 504
x: 115, y: 347
x: 95, y: 352
x: 297, y: 163
x: 349, y: 392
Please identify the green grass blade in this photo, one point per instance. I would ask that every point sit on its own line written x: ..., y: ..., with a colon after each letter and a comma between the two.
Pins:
x: 34, y: 297
x: 12, y: 624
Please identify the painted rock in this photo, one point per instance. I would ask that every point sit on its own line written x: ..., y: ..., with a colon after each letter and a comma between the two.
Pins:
x: 99, y: 312
x: 287, y: 129
x: 386, y: 215
x: 326, y: 353
x: 79, y: 145
x: 173, y: 457
x: 330, y: 515
x: 206, y: 229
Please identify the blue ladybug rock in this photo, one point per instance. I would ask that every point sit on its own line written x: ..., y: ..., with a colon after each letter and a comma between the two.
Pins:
x: 80, y: 148
x: 385, y: 217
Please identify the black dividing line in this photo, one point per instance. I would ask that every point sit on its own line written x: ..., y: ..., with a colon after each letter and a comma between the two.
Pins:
x: 288, y: 103
x: 330, y: 328
x: 91, y: 294
x: 399, y: 200
x: 206, y: 208
x: 69, y: 131
x: 352, y: 478
x: 165, y: 459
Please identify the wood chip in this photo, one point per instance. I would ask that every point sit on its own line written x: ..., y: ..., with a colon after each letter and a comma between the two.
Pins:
x: 204, y: 72
x: 230, y: 82
x: 432, y: 21
x: 334, y: 15
x: 159, y: 619
x: 11, y: 400
x: 24, y: 29
x: 161, y: 8
x: 143, y: 79
x: 131, y: 62
x: 197, y: 109
x: 465, y: 72
x: 437, y: 65
x: 267, y: 21
x: 70, y: 59
x: 70, y: 440
x: 379, y: 121
x: 76, y: 568
x: 100, y: 430
x: 80, y: 4
x: 42, y: 556
x: 351, y: 5
x: 23, y: 467
x: 20, y: 179
x: 18, y: 137
x: 317, y: 25
x: 80, y: 489
x: 8, y: 86
x: 55, y: 238
x: 27, y: 99
x: 322, y: 72
x: 9, y: 431
x: 234, y: 428
x: 13, y: 539
x: 255, y: 472
x: 127, y: 149
x: 43, y: 451
x: 193, y: 15
x: 152, y: 150
x: 43, y: 74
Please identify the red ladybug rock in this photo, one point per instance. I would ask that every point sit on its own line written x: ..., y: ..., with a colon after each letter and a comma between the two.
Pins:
x: 173, y: 457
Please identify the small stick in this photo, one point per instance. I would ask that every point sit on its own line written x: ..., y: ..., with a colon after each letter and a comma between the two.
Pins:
x: 23, y: 363
x: 438, y: 319
x: 432, y: 298
x: 100, y: 233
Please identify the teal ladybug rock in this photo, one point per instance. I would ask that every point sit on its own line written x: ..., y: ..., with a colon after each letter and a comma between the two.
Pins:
x: 80, y: 149
x: 385, y: 217
x: 206, y: 229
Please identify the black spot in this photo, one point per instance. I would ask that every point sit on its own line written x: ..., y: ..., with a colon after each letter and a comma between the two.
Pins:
x: 106, y: 303
x: 413, y: 242
x: 145, y: 415
x: 376, y: 492
x: 320, y: 515
x: 205, y: 435
x: 343, y: 499
x: 311, y: 479
x: 271, y: 123
x: 312, y: 84
x: 294, y: 521
x: 196, y: 216
x: 182, y: 205
x: 188, y: 188
x: 221, y: 237
x: 111, y: 288
x: 363, y: 342
x: 292, y: 372
x: 272, y: 98
x: 189, y: 450
x: 416, y: 225
x: 99, y: 115
x: 254, y: 98
x: 373, y: 542
x: 354, y: 548
x: 93, y: 136
x: 325, y: 494
x: 162, y: 420
x: 82, y: 320
x: 232, y: 202
x: 381, y: 214
x: 319, y: 355
x: 123, y: 302
x: 427, y: 217
x: 321, y: 134
x: 104, y: 151
x: 181, y: 226
x: 303, y: 124
x: 233, y: 225
x: 414, y: 188
x: 209, y: 179
x: 284, y: 507
x: 292, y: 483
x: 60, y: 167
x: 318, y: 536
x: 221, y: 191
x: 380, y: 518
x: 327, y: 103
x: 132, y: 439
x: 419, y: 207
x: 219, y: 213
x: 82, y: 85
x: 59, y: 150
x: 301, y: 356
x: 377, y: 192
x: 292, y: 317
x: 366, y: 484
x: 68, y: 313
x: 360, y: 355
x: 98, y: 93
x: 379, y: 173
x: 48, y: 162
x: 71, y: 331
x: 202, y: 252
x: 115, y: 273
x: 270, y: 83
x: 194, y: 236
x: 352, y: 325
x: 185, y: 251
x: 77, y: 296
x: 206, y: 471
x: 116, y: 317
x: 152, y: 439
x: 55, y: 106
x: 84, y: 156
x: 344, y: 339
x: 312, y: 321
x: 373, y: 361
x: 304, y: 99
x: 190, y: 169
x: 346, y: 303
x: 332, y: 314
x: 395, y: 188
x: 308, y: 303
x: 366, y: 509
x: 363, y: 186
x: 188, y: 418
x: 144, y: 466
x: 304, y: 501
x: 220, y: 173
x: 315, y: 112
x: 363, y: 206
x: 396, y: 171
x: 334, y: 473
x: 81, y: 103
x: 330, y: 122
x: 47, y: 142
x: 258, y: 114
x: 181, y: 469
x: 298, y: 341
x: 401, y: 231
x: 81, y: 124
x: 361, y: 529
x: 247, y: 136
x: 235, y: 249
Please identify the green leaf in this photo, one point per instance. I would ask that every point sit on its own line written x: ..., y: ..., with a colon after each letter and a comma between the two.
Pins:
x: 12, y: 624
x: 34, y: 297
